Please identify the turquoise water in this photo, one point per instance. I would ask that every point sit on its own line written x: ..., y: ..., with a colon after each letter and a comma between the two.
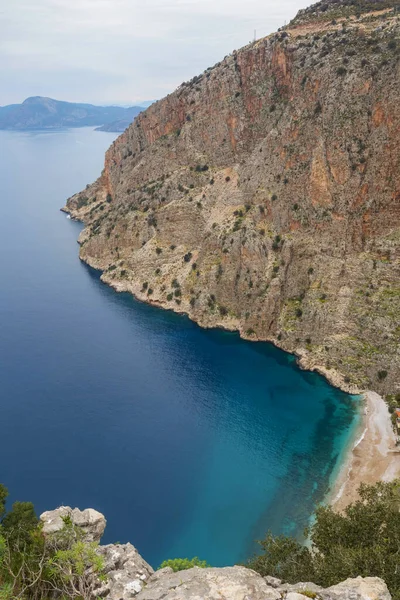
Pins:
x: 191, y: 442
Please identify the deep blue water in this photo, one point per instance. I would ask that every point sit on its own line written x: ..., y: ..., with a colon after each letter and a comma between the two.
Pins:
x: 191, y: 442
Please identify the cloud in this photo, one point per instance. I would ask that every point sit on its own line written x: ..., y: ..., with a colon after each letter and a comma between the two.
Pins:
x: 122, y: 50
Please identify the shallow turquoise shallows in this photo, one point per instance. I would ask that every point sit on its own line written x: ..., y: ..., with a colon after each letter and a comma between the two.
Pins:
x: 191, y: 442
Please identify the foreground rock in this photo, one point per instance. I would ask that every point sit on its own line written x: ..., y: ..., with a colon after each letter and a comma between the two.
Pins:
x: 236, y: 583
x: 90, y: 521
x: 130, y: 576
x: 126, y: 571
x: 239, y: 583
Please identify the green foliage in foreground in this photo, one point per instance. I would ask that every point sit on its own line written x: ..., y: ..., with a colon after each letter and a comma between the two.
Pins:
x: 363, y: 540
x: 181, y: 564
x: 35, y: 568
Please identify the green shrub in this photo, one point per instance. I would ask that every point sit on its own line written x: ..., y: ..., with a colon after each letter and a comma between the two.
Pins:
x: 181, y: 564
x: 362, y: 540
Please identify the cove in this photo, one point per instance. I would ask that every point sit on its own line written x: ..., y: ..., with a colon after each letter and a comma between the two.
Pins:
x: 190, y: 441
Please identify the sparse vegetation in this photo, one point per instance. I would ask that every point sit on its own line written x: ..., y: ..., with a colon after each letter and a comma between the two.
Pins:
x: 181, y: 564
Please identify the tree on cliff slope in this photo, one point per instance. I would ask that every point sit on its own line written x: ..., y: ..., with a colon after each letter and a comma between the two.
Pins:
x: 35, y: 567
x: 364, y: 540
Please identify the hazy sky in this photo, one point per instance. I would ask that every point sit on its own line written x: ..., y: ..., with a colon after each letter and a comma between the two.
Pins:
x: 122, y: 51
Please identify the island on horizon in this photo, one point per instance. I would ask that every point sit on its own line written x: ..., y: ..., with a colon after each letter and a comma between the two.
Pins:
x: 39, y: 112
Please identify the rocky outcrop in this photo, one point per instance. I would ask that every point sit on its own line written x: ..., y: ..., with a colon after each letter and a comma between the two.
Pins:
x: 90, y: 521
x: 127, y: 572
x: 129, y: 576
x: 236, y: 583
x: 264, y: 196
x: 239, y: 583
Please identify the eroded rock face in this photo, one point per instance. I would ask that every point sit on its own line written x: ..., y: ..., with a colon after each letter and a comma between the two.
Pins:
x: 367, y: 588
x: 90, y: 521
x: 233, y: 583
x: 239, y: 583
x: 264, y: 196
x: 126, y: 571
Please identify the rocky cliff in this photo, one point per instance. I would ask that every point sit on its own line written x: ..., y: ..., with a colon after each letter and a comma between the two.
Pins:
x: 128, y: 575
x: 264, y: 195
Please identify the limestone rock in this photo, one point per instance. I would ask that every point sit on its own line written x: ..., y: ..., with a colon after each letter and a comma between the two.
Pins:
x: 300, y: 587
x: 89, y: 520
x: 126, y: 571
x: 228, y: 583
x: 273, y: 581
x: 361, y: 588
x: 161, y: 573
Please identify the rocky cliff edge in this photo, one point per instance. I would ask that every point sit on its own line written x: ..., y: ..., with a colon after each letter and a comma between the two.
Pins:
x: 129, y: 576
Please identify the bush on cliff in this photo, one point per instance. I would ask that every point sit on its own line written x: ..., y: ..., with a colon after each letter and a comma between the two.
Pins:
x: 181, y: 564
x: 363, y: 540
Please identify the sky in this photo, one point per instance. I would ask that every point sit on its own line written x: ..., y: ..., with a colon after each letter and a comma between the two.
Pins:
x: 122, y: 51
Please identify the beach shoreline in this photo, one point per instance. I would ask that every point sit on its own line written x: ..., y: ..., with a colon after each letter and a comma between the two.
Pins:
x: 373, y: 456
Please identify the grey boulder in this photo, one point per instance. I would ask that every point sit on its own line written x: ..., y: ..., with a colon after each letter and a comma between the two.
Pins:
x: 126, y: 571
x: 360, y: 588
x: 228, y: 583
x: 89, y: 520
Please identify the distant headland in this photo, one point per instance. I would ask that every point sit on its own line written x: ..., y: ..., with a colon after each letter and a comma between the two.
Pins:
x: 38, y: 112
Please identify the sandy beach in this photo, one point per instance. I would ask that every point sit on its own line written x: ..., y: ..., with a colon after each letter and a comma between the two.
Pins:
x: 374, y: 456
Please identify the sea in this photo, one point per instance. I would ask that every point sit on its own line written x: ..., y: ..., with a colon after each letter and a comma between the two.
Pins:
x: 192, y: 442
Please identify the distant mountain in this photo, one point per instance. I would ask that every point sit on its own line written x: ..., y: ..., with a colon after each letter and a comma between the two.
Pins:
x: 38, y: 112
x: 117, y: 126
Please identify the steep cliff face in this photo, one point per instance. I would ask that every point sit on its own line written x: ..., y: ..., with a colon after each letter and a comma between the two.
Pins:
x: 264, y: 195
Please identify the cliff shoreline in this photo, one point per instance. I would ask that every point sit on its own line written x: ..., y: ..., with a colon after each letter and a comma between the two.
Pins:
x: 371, y: 454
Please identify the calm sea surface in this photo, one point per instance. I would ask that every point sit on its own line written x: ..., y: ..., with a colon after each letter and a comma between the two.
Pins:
x: 191, y: 442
